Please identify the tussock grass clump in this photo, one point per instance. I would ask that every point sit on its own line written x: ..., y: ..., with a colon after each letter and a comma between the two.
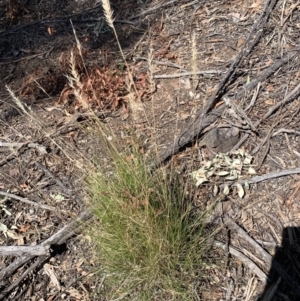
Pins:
x: 148, y: 244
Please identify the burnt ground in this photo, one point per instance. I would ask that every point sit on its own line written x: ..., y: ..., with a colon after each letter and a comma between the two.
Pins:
x: 36, y: 45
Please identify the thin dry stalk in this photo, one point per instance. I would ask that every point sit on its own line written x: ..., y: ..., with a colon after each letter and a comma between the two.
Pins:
x: 194, y: 60
x: 17, y: 101
x: 78, y: 44
x: 108, y: 12
x: 152, y: 85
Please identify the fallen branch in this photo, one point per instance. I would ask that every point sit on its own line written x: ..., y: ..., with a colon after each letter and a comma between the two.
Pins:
x: 206, y: 116
x: 243, y: 53
x: 243, y: 234
x: 245, y: 260
x: 57, y: 238
x: 271, y: 175
x: 24, y: 250
x: 263, y: 254
x: 8, y: 289
x: 195, y: 128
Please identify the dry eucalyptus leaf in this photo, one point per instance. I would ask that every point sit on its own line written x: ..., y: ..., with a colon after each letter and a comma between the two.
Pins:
x: 53, y: 278
x: 208, y: 164
x: 198, y: 176
x: 248, y: 159
x: 231, y: 166
x: 231, y: 178
x: 227, y: 160
x: 222, y: 173
x: 201, y: 171
x: 240, y: 190
x: 210, y: 173
x: 236, y: 152
x: 246, y: 184
x: 216, y: 159
x: 59, y: 198
x: 201, y: 181
x: 236, y: 163
x: 226, y: 190
x: 235, y: 174
x: 12, y: 234
x: 3, y: 228
x: 251, y: 171
x: 216, y: 190
x: 7, y: 212
x: 242, y: 152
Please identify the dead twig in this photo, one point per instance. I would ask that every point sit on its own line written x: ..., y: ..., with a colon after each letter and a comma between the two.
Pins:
x: 151, y: 10
x: 21, y: 148
x: 271, y: 175
x: 268, y: 176
x: 27, y: 57
x: 293, y: 7
x: 50, y: 174
x: 288, y: 131
x: 294, y: 93
x: 254, y: 97
x: 240, y: 112
x: 7, y: 159
x: 169, y: 64
x: 11, y: 144
x: 26, y: 201
x: 40, y: 148
x: 288, y: 98
x: 265, y: 151
x: 199, y: 72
